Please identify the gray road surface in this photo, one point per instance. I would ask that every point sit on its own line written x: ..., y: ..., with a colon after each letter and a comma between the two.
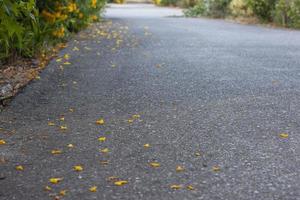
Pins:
x: 213, y: 97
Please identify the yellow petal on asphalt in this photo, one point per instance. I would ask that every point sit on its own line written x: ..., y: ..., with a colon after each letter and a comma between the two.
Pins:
x: 284, y: 135
x: 62, y: 119
x: 63, y: 128
x: 154, y: 164
x: 70, y: 145
x: 56, y: 151
x: 67, y: 63
x: 102, y: 139
x: 216, y: 168
x: 146, y: 145
x: 190, y: 187
x: 47, y: 188
x: 100, y: 121
x: 51, y: 124
x: 63, y: 192
x: 93, y: 189
x: 75, y: 49
x: 130, y: 121
x: 179, y: 169
x: 106, y: 150
x: 66, y: 56
x: 197, y: 154
x: 120, y: 183
x: 175, y: 187
x: 136, y: 116
x: 55, y: 180
x: 71, y: 110
x: 58, y: 60
x: 2, y: 142
x: 19, y: 168
x: 78, y: 168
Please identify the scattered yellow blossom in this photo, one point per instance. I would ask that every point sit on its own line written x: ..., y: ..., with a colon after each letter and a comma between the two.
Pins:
x: 78, y: 168
x: 19, y: 168
x: 100, y: 121
x: 102, y: 139
x: 55, y: 180
x: 154, y: 164
x: 93, y: 189
x: 2, y: 142
x: 120, y: 183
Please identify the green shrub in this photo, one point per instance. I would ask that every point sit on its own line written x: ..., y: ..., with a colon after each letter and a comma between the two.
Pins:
x: 28, y: 25
x: 20, y: 29
x: 294, y: 14
x: 212, y: 8
x: 197, y: 10
x: 239, y: 8
x: 168, y: 2
x: 218, y: 8
x: 263, y: 9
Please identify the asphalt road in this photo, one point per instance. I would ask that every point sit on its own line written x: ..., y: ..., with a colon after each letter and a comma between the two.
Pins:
x: 208, y: 95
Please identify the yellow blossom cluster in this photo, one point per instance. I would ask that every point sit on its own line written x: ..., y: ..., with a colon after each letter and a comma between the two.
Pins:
x: 59, y: 33
x: 94, y: 4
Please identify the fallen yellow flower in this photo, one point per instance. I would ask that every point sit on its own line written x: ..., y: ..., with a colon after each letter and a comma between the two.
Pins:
x: 56, y: 151
x: 100, y: 121
x: 120, y: 183
x: 175, y: 187
x: 284, y: 135
x: 216, y: 168
x: 102, y: 139
x: 67, y: 63
x: 51, y: 124
x: 70, y: 145
x: 106, y: 150
x: 63, y: 192
x: 190, y: 187
x: 55, y: 180
x: 67, y: 56
x: 154, y: 164
x: 47, y: 188
x: 147, y: 145
x: 179, y: 169
x: 93, y: 189
x: 63, y: 128
x: 136, y: 116
x: 19, y: 168
x: 78, y: 168
x: 2, y: 142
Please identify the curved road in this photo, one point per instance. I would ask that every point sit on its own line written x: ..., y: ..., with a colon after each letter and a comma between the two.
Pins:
x: 210, y: 97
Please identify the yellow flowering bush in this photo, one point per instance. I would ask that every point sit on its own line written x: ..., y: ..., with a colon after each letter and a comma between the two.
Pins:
x: 47, y: 21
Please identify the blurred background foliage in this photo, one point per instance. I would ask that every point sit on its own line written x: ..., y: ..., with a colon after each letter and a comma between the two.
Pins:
x: 31, y: 26
x: 281, y: 12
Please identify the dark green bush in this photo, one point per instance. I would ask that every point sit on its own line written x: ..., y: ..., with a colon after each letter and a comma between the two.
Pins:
x: 28, y: 25
x: 20, y: 29
x: 263, y: 9
x: 168, y: 2
x: 218, y: 8
x: 197, y: 10
x: 294, y: 14
x: 212, y: 8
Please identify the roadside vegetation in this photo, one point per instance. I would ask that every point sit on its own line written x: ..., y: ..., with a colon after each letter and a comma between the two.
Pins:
x: 29, y: 27
x: 280, y: 12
